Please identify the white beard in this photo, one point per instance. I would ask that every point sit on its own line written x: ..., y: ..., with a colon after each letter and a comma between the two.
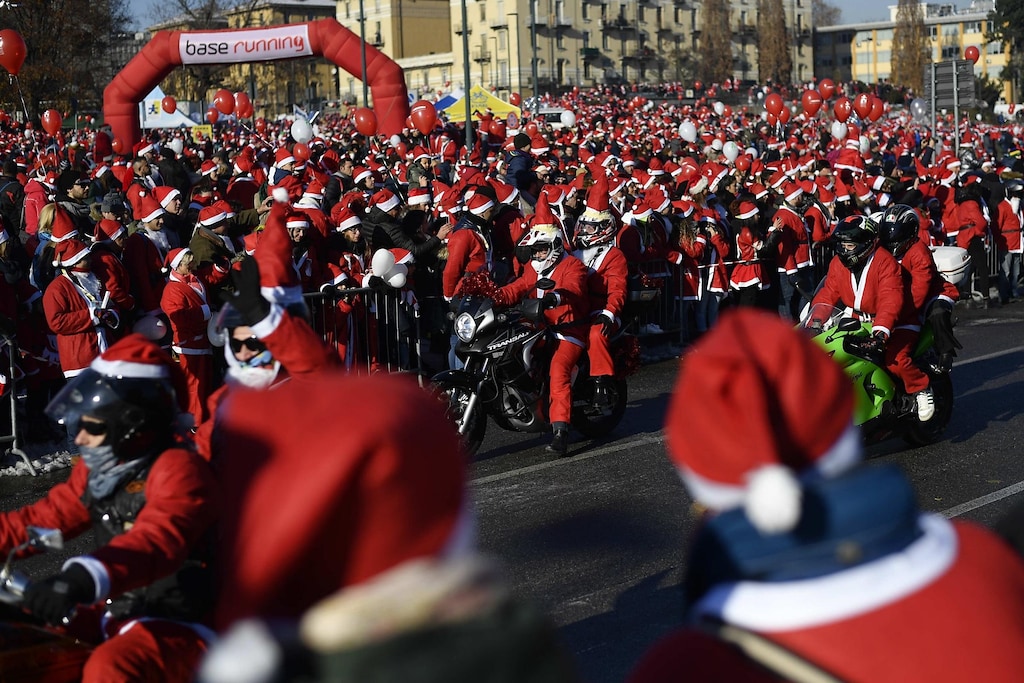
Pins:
x: 252, y: 378
x: 90, y: 283
x: 160, y: 239
x: 1015, y: 203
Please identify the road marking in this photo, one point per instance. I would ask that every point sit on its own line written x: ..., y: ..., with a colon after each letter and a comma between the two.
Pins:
x: 982, y: 501
x: 646, y: 440
x: 989, y: 356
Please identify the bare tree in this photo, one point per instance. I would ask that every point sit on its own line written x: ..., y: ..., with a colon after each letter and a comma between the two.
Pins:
x: 716, y: 42
x: 774, y: 61
x: 824, y: 14
x: 910, y: 46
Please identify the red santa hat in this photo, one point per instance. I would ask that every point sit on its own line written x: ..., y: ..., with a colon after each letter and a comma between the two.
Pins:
x: 420, y: 152
x: 842, y: 191
x: 418, y: 196
x: 174, y: 257
x: 69, y: 252
x: 597, y: 198
x: 212, y: 215
x: 150, y: 209
x: 296, y: 221
x: 344, y: 218
x: 134, y: 357
x: 360, y: 173
x: 792, y: 192
x: 207, y: 168
x: 542, y: 214
x: 282, y: 156
x: 756, y: 405
x: 63, y: 227
x: 758, y: 190
x: 142, y: 148
x: 478, y: 203
x: 657, y: 199
x: 108, y: 230
x: 538, y: 145
x: 506, y: 193
x: 746, y: 210
x: 862, y: 190
x: 165, y: 195
x: 385, y: 200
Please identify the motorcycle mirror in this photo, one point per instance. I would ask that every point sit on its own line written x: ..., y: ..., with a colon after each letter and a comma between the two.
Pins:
x: 46, y: 538
x: 849, y: 325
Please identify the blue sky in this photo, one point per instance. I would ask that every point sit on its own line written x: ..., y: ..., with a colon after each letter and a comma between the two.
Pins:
x: 853, y: 11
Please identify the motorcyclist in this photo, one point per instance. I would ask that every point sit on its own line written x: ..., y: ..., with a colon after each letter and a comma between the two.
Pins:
x: 869, y: 283
x: 606, y: 280
x: 932, y: 296
x: 560, y: 279
x: 149, y: 501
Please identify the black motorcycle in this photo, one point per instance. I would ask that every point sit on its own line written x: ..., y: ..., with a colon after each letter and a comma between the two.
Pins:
x: 507, y: 356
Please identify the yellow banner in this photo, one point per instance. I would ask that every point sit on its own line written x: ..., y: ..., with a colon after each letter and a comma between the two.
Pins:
x: 204, y: 128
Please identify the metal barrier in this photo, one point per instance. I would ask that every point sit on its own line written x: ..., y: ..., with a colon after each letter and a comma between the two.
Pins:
x: 9, y: 345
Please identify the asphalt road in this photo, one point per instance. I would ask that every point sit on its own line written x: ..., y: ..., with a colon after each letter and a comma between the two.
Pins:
x: 599, y: 538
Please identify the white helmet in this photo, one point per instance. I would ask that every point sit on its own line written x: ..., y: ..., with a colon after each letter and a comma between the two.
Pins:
x: 545, y: 243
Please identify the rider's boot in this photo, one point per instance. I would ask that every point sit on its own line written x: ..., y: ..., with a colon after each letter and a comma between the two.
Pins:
x: 560, y: 441
x: 925, y: 404
x: 602, y: 392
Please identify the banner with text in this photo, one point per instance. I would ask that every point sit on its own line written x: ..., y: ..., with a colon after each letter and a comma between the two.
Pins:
x: 247, y: 45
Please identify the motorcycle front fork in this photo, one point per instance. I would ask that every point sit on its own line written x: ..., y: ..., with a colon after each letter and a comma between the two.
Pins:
x: 474, y: 397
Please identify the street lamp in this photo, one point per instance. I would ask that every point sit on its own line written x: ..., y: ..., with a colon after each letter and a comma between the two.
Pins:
x: 465, y: 76
x: 362, y: 49
x: 533, y: 56
x: 519, y: 54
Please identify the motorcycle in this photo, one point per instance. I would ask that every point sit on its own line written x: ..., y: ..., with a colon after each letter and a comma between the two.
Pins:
x: 506, y: 356
x: 883, y: 409
x: 33, y: 653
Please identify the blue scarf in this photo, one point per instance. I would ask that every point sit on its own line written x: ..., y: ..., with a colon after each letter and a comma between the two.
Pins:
x: 105, y: 473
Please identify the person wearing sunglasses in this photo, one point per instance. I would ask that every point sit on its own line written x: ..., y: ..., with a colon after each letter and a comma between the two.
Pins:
x: 142, y: 595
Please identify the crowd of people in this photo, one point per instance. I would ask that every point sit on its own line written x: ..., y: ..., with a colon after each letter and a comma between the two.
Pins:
x: 123, y: 272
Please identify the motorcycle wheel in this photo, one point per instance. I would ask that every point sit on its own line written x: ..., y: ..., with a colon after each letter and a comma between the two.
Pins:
x: 590, y: 421
x: 457, y: 397
x: 925, y: 433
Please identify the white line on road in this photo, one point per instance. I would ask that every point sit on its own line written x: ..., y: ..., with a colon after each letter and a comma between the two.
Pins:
x: 648, y: 439
x: 982, y: 501
x: 989, y: 356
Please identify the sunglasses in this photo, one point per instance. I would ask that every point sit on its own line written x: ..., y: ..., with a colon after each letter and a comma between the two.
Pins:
x: 93, y: 428
x: 251, y: 343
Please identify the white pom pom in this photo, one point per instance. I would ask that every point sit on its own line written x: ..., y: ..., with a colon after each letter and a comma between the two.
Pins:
x: 773, y: 499
x: 247, y: 653
x: 280, y: 195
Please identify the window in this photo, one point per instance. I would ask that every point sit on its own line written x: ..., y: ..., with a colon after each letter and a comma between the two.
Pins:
x: 348, y: 10
x: 503, y: 39
x: 483, y: 11
x: 585, y: 12
x: 972, y: 27
x: 586, y: 39
x: 639, y: 13
x: 883, y: 56
x: 846, y: 61
x: 586, y: 69
x: 444, y: 76
x: 560, y: 41
x: 604, y: 41
x: 994, y: 48
x: 884, y: 34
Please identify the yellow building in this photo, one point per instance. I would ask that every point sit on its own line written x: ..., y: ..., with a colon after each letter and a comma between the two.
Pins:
x: 863, y: 52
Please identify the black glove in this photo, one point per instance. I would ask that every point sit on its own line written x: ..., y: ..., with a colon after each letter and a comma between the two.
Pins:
x: 550, y: 300
x: 880, y: 337
x: 247, y: 298
x: 545, y: 283
x: 109, y: 318
x: 376, y: 282
x: 54, y: 598
x: 606, y: 323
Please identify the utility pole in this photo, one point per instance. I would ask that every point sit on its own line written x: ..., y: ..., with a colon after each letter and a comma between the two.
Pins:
x: 465, y: 75
x: 362, y: 50
x: 533, y: 56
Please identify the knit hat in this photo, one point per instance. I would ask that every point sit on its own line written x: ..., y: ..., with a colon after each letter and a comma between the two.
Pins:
x: 134, y: 357
x: 756, y: 405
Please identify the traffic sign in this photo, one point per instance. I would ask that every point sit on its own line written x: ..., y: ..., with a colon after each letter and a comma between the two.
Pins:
x: 951, y: 84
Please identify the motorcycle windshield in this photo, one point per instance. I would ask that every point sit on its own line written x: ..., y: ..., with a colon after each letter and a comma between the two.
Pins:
x: 821, y: 318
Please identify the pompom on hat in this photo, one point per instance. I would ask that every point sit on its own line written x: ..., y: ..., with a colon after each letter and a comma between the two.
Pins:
x: 756, y: 406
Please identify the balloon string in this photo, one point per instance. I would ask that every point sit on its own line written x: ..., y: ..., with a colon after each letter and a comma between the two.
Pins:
x: 253, y: 131
x: 24, y: 107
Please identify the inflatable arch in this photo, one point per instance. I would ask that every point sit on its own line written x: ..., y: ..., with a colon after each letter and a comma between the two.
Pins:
x: 168, y: 50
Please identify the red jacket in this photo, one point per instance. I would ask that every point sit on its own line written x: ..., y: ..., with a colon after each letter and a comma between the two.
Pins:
x: 718, y: 276
x: 1008, y: 232
x: 790, y: 246
x: 879, y: 294
x: 143, y: 263
x: 467, y: 253
x: 570, y: 276
x: 188, y: 311
x: 689, y: 258
x: 971, y: 221
x: 607, y: 272
x: 748, y: 271
x: 921, y: 279
x: 960, y: 621
x: 69, y: 314
x: 112, y: 272
x: 181, y: 503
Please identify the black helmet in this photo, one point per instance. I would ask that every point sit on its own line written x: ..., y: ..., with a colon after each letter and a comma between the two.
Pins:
x: 138, y: 411
x: 859, y: 232
x: 898, y: 229
x: 1014, y: 188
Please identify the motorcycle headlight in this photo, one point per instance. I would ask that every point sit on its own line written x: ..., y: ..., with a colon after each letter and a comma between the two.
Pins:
x: 465, y: 327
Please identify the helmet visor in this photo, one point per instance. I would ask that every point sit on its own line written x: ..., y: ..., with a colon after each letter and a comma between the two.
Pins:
x: 88, y: 393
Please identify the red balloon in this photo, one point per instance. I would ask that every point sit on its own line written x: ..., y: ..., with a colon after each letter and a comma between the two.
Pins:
x: 727, y: 112
x: 117, y: 146
x: 773, y: 103
x: 972, y: 54
x: 169, y: 104
x: 532, y: 129
x: 244, y: 112
x: 212, y: 115
x: 242, y: 104
x: 515, y: 99
x: 365, y: 120
x: 743, y: 163
x: 261, y: 126
x: 784, y: 114
x: 423, y: 116
x: 827, y: 88
x: 301, y: 152
x: 877, y: 109
x: 811, y: 100
x: 697, y: 85
x: 862, y: 105
x: 842, y: 109
x: 12, y: 51
x: 224, y: 101
x: 498, y: 129
x: 772, y: 118
x: 408, y: 122
x: 51, y: 120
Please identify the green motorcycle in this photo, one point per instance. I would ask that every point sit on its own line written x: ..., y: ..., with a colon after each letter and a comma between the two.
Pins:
x: 883, y: 409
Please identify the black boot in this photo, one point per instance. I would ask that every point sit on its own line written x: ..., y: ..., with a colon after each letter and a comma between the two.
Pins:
x: 602, y: 392
x: 560, y: 441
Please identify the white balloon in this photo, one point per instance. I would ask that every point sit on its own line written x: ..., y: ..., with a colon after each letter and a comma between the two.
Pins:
x: 176, y: 145
x: 752, y: 152
x: 719, y: 108
x: 839, y: 130
x: 730, y: 150
x: 688, y: 131
x: 382, y: 263
x: 302, y: 131
x: 568, y: 119
x: 716, y: 145
x: 398, y: 275
x: 395, y: 140
x: 865, y: 144
x: 764, y: 116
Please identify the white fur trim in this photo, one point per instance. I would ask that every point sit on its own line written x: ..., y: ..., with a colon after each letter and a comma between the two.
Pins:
x: 247, y: 653
x: 772, y: 501
x: 297, y: 223
x: 153, y: 216
x: 391, y: 203
x: 266, y: 327
x: 349, y: 222
x: 479, y: 210
x: 123, y: 368
x: 170, y: 197
x: 98, y: 572
x: 792, y: 605
x: 176, y: 261
x: 213, y: 220
x: 280, y: 195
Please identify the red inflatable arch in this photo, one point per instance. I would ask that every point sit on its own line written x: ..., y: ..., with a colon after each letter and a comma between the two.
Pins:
x: 325, y: 37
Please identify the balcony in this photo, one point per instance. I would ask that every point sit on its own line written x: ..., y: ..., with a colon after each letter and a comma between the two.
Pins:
x: 498, y: 23
x: 377, y: 41
x: 595, y: 2
x: 591, y: 54
x: 643, y: 55
x: 458, y: 29
x: 619, y: 24
x: 541, y: 21
x: 481, y: 56
x: 666, y: 27
x: 746, y: 29
x: 561, y: 21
